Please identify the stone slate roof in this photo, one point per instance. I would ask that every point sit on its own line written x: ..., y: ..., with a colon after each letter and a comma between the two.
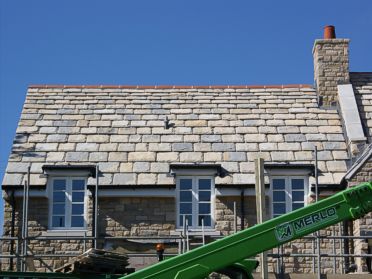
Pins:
x: 122, y: 129
x: 362, y: 84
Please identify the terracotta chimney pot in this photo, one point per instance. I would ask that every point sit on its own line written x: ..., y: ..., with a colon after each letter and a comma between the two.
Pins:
x: 329, y: 32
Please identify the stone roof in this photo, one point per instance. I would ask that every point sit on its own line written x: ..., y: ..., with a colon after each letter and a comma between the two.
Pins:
x: 122, y: 129
x: 362, y: 84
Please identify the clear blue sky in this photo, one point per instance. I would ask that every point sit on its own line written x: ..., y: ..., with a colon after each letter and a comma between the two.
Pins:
x: 166, y: 42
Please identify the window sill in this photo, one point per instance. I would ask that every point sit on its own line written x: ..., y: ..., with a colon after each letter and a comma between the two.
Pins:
x: 67, y: 233
x: 196, y: 232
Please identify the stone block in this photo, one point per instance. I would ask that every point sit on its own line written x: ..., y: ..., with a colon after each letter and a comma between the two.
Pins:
x: 109, y: 167
x: 164, y: 179
x: 77, y: 138
x: 195, y: 123
x: 151, y: 138
x: 316, y: 137
x: 171, y: 138
x: 246, y: 147
x: 46, y: 146
x: 255, y: 138
x: 224, y: 130
x: 232, y: 138
x: 119, y: 138
x: 304, y: 155
x: 223, y: 147
x: 230, y: 166
x: 191, y: 138
x: 98, y: 138
x: 182, y: 147
x: 191, y: 157
x: 126, y: 147
x: 87, y: 147
x: 212, y: 156
x: 124, y: 179
x: 268, y: 146
x: 282, y: 156
x: 235, y: 156
x: 55, y: 156
x: 108, y: 147
x: 141, y: 156
x: 288, y: 129
x: 211, y: 138
x: 66, y: 147
x: 98, y: 156
x: 254, y: 122
x: 267, y: 130
x: 160, y: 147
x: 57, y: 138
x: 202, y: 147
x: 141, y: 147
x: 336, y: 166
x: 13, y: 167
x: 291, y: 146
x: 167, y: 157
x: 146, y: 179
x: 76, y: 156
x: 334, y: 145
x: 141, y: 167
x: 118, y: 156
x: 13, y: 179
x: 294, y: 137
x: 159, y: 167
x: 126, y: 167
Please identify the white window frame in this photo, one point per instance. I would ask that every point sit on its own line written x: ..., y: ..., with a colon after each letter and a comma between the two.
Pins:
x: 68, y: 179
x: 195, y: 202
x: 288, y: 191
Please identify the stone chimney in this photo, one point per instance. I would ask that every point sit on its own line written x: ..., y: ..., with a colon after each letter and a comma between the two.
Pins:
x: 331, y: 65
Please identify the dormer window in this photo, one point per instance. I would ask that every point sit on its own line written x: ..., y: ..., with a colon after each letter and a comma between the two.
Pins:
x: 67, y: 208
x: 194, y: 201
x: 195, y: 193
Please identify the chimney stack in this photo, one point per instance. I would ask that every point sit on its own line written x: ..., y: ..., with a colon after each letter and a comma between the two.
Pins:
x: 331, y: 65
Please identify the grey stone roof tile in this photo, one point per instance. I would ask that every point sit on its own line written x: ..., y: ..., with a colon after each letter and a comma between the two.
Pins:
x: 122, y: 129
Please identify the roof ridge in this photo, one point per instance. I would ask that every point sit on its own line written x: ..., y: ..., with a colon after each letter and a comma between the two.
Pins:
x: 46, y: 86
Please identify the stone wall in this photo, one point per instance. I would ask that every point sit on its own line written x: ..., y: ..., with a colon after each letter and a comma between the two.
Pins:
x: 152, y: 217
x: 362, y: 226
x: 331, y: 67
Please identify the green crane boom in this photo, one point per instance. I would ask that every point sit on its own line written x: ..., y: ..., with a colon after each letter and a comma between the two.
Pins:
x: 349, y: 204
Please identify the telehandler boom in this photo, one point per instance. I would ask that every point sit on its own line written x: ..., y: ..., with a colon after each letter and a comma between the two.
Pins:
x: 232, y: 251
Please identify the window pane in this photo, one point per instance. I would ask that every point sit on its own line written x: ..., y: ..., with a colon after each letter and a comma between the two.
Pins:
x: 185, y: 196
x: 185, y: 184
x: 279, y: 208
x: 78, y: 185
x: 279, y: 196
x: 77, y: 221
x: 207, y: 220
x: 78, y: 196
x: 278, y: 184
x: 204, y: 184
x: 188, y: 218
x: 204, y: 195
x: 77, y: 209
x: 58, y: 221
x: 59, y: 185
x: 204, y: 208
x: 298, y: 184
x: 297, y: 205
x: 59, y: 197
x: 298, y: 195
x: 185, y: 208
x: 58, y: 209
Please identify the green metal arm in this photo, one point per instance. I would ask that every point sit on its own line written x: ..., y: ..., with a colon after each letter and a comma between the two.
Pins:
x: 349, y: 204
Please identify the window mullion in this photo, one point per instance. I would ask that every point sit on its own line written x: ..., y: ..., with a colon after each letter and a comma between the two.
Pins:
x: 68, y: 203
